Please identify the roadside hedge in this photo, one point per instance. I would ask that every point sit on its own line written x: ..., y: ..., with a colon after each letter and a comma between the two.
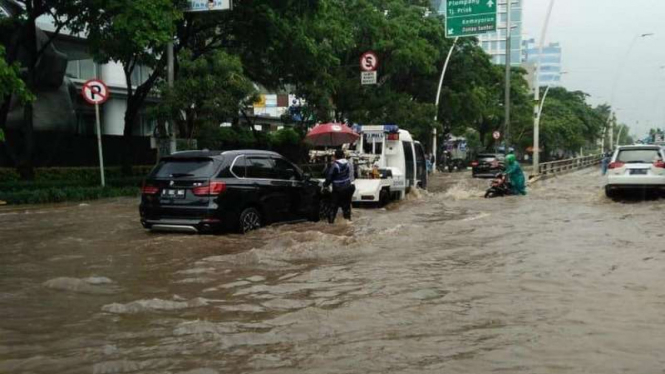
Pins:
x: 80, y: 175
x: 60, y: 184
x: 58, y: 195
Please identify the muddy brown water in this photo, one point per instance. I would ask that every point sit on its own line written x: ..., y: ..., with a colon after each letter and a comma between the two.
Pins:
x: 560, y: 281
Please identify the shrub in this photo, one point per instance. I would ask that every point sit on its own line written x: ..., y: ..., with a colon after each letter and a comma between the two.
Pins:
x: 57, y: 195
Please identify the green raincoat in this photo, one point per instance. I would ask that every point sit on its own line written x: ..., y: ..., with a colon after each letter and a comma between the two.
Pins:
x: 516, y: 176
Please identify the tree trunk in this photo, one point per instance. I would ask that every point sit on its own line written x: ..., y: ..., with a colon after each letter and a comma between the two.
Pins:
x: 25, y: 162
x: 131, y: 115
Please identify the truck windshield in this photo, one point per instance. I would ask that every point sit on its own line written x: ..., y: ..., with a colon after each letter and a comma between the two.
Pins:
x: 376, y: 148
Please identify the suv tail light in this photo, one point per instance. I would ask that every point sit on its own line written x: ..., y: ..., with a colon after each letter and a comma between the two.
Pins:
x: 616, y: 165
x: 149, y: 189
x: 659, y: 164
x: 474, y: 163
x: 212, y: 189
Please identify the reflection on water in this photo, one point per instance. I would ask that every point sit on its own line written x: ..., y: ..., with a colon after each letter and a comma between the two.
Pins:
x: 562, y: 280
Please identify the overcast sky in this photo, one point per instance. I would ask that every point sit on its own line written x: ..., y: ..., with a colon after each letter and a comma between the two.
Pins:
x: 595, y: 36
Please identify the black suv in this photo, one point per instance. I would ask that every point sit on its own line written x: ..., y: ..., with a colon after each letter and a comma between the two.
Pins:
x: 488, y: 165
x: 205, y: 191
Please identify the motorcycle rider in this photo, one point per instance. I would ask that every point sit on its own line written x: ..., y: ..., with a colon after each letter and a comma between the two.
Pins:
x: 340, y: 175
x: 515, y: 175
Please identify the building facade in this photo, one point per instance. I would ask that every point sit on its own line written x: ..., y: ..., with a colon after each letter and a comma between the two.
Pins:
x: 494, y: 43
x: 550, y: 61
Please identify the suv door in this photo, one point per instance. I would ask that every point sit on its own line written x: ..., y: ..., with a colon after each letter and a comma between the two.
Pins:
x: 302, y: 195
x: 274, y: 194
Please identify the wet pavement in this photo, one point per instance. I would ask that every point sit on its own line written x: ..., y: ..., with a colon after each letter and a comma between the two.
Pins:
x: 561, y: 281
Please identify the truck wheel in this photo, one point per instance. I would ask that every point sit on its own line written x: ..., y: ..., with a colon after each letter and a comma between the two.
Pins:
x: 384, y: 198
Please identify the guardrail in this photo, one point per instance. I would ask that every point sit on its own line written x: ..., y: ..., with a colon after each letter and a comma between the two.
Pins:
x: 565, y: 166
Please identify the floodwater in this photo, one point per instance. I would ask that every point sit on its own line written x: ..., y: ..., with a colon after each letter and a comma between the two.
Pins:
x: 561, y: 281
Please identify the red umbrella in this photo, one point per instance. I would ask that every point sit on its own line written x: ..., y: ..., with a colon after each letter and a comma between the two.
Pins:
x: 331, y: 135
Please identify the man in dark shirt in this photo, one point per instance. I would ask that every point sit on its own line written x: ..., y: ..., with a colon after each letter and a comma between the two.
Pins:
x: 340, y: 175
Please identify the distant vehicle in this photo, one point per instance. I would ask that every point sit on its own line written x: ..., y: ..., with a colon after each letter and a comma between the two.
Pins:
x: 206, y: 191
x: 399, y: 161
x: 488, y: 165
x: 454, y: 155
x: 636, y: 167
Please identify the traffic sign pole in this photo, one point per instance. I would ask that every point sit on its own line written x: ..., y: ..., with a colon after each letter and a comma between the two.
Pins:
x: 96, y: 92
x: 99, y: 145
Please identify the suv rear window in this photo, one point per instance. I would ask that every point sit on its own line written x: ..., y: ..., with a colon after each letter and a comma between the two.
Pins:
x: 185, y: 167
x: 639, y: 156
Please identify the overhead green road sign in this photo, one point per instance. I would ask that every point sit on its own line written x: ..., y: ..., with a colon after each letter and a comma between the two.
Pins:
x: 470, y: 17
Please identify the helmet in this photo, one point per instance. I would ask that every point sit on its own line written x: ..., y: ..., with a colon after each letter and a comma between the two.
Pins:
x: 510, y: 159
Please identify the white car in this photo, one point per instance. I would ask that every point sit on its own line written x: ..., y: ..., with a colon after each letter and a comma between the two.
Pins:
x: 636, y: 166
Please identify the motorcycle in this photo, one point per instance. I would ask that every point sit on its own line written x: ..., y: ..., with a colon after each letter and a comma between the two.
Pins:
x: 499, y: 187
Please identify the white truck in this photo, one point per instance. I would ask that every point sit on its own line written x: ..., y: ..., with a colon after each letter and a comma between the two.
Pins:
x: 389, y: 164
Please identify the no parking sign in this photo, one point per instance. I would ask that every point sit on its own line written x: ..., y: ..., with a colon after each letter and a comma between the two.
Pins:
x: 95, y: 91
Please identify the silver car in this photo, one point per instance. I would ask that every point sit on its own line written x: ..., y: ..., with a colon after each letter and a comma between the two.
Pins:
x: 636, y: 167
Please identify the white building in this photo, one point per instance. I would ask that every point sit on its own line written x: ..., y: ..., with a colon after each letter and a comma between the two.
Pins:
x: 495, y: 43
x: 550, y: 61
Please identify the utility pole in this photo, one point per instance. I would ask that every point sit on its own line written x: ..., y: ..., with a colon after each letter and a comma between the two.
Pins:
x: 537, y: 105
x: 170, y: 75
x: 506, y: 126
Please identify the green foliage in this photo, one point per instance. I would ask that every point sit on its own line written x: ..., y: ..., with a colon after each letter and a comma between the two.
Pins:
x: 11, y: 83
x: 54, y: 185
x: 71, y: 176
x: 209, y: 90
x: 225, y: 138
x: 57, y: 195
x: 285, y: 138
x: 568, y: 123
x: 130, y: 32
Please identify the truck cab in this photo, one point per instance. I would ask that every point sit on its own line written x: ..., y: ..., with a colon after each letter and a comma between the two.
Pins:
x: 389, y: 164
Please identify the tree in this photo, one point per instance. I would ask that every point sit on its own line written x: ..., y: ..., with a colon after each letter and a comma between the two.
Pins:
x: 569, y: 123
x: 24, y: 43
x: 133, y: 33
x: 209, y: 90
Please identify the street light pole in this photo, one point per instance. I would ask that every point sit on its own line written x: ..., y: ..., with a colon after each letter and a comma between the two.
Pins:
x: 610, y: 120
x: 506, y: 125
x: 170, y: 77
x: 438, y: 99
x: 537, y: 108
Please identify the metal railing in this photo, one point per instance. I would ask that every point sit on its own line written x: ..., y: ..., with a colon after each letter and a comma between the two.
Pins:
x: 565, y: 166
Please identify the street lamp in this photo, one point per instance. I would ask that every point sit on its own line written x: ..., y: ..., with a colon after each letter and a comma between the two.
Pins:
x: 536, y: 94
x: 618, y: 75
x: 438, y: 98
x: 542, y: 102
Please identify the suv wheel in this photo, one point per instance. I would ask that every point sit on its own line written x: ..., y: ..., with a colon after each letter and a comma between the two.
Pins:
x: 250, y: 220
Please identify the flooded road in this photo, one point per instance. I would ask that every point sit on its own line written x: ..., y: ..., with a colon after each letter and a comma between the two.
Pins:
x: 560, y: 281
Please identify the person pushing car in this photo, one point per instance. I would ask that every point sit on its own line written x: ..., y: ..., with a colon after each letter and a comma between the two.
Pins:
x: 340, y: 175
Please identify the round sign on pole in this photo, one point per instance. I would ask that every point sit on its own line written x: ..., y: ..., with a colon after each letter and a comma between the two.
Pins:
x: 369, y: 61
x: 95, y: 92
x: 496, y: 135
